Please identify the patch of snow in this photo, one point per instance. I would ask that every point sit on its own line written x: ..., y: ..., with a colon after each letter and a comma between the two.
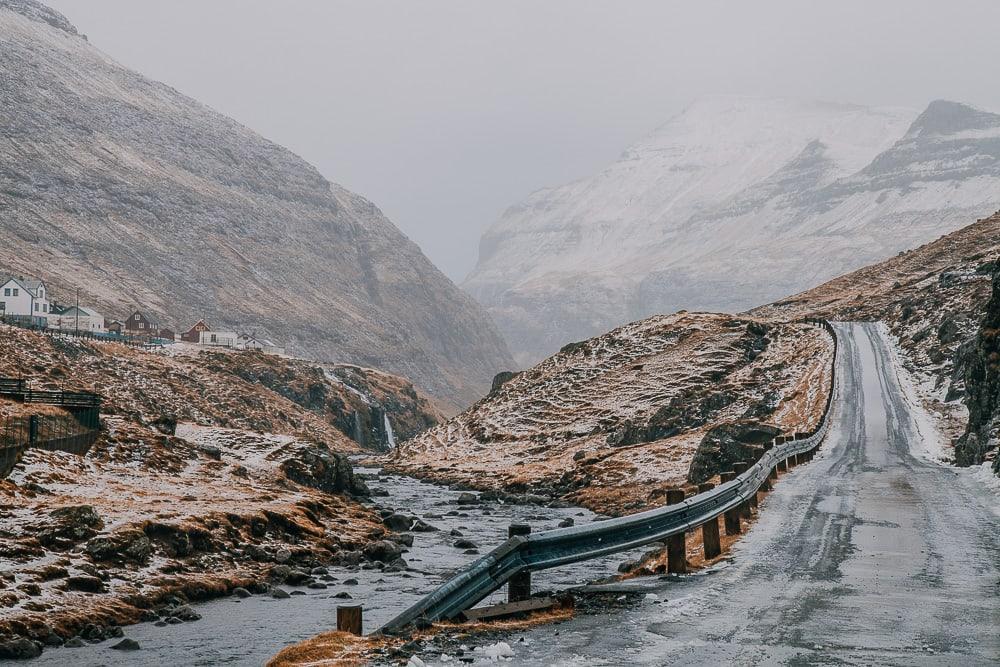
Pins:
x: 498, y: 652
x: 931, y: 444
x: 983, y: 474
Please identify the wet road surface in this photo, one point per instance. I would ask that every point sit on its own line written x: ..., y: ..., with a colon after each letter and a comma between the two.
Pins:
x: 867, y: 555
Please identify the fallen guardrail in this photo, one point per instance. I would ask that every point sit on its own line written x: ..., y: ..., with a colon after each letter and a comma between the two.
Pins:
x: 513, y: 561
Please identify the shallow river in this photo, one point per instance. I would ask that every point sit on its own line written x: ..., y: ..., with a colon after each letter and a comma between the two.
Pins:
x: 248, y: 632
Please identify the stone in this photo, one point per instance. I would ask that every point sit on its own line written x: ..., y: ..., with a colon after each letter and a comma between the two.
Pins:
x: 186, y: 613
x: 298, y: 578
x: 316, y: 585
x: 19, y: 649
x: 465, y: 544
x: 128, y: 545
x: 280, y: 572
x: 85, y: 583
x: 126, y: 645
x: 241, y: 592
x: 350, y: 582
x: 343, y: 595
x: 566, y: 523
x: 383, y: 551
x: 282, y: 556
x: 319, y: 570
x: 466, y: 498
x: 398, y: 521
x: 420, y: 526
x: 279, y: 593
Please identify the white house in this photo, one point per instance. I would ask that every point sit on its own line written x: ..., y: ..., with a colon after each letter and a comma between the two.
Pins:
x: 24, y: 299
x: 251, y: 342
x: 218, y: 338
x: 78, y: 318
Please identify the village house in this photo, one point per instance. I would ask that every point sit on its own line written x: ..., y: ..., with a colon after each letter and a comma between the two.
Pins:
x: 193, y: 335
x: 114, y: 326
x: 218, y: 338
x: 251, y: 342
x: 24, y: 300
x: 77, y: 318
x: 138, y: 324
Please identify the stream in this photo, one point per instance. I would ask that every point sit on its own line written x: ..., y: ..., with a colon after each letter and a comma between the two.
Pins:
x: 248, y: 632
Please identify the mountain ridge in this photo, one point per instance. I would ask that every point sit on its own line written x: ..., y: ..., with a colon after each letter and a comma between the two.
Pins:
x: 727, y: 206
x: 144, y: 197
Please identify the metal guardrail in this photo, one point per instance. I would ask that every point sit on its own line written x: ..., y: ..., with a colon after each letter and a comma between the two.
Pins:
x: 563, y: 546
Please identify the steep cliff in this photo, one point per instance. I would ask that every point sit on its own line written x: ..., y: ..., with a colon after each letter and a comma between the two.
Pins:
x: 143, y: 197
x: 982, y: 384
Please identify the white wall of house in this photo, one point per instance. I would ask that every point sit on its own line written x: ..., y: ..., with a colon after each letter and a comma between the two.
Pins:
x: 19, y: 301
x: 90, y: 320
x: 219, y: 338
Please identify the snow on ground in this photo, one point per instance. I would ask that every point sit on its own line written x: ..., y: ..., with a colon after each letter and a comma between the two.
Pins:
x: 932, y: 444
x: 613, y: 422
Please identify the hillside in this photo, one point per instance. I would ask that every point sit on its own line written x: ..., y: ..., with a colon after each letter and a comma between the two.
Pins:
x: 613, y: 422
x: 212, y: 471
x: 143, y: 197
x: 733, y: 203
x: 933, y: 299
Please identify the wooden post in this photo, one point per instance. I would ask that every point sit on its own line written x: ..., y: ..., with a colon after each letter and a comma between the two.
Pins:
x: 676, y: 544
x: 349, y: 618
x: 710, y: 531
x: 732, y: 517
x: 519, y: 586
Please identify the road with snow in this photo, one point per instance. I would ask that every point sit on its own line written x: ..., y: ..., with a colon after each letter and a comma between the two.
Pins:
x: 867, y: 555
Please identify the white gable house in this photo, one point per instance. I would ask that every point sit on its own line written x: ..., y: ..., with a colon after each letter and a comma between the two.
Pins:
x: 24, y: 300
x: 218, y: 338
x: 78, y: 318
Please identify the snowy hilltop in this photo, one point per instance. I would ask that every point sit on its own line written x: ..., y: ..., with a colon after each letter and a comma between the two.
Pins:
x: 734, y: 202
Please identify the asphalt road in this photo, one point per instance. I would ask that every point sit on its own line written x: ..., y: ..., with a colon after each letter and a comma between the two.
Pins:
x: 867, y: 555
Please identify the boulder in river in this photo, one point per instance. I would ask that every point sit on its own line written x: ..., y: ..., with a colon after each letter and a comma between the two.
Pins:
x: 466, y: 498
x: 382, y: 551
x: 19, y: 649
x: 465, y: 544
x: 126, y: 645
x: 396, y: 521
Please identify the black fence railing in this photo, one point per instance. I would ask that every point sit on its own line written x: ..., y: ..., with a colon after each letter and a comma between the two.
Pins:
x: 141, y: 342
x: 73, y: 431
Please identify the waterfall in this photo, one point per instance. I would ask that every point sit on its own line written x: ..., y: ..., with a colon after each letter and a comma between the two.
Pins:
x: 389, y: 436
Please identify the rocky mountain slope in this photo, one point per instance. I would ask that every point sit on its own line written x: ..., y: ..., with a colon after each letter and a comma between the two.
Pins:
x: 143, y: 197
x: 982, y: 382
x: 735, y: 202
x: 933, y: 299
x: 615, y: 421
x: 212, y: 471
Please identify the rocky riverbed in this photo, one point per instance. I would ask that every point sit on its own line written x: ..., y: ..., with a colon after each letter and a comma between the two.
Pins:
x: 448, y: 528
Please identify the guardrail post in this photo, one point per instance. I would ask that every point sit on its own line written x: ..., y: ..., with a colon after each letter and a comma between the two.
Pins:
x: 732, y: 517
x: 782, y: 466
x: 519, y: 586
x: 32, y: 429
x: 739, y: 468
x: 349, y: 618
x: 676, y: 544
x: 710, y: 539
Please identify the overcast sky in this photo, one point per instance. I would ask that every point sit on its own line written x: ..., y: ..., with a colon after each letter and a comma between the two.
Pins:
x: 444, y: 113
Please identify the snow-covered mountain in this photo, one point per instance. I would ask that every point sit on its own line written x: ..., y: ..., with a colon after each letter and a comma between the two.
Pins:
x: 142, y: 197
x: 734, y: 202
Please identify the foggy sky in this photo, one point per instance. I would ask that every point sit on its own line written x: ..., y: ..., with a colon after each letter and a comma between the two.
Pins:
x: 444, y: 113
